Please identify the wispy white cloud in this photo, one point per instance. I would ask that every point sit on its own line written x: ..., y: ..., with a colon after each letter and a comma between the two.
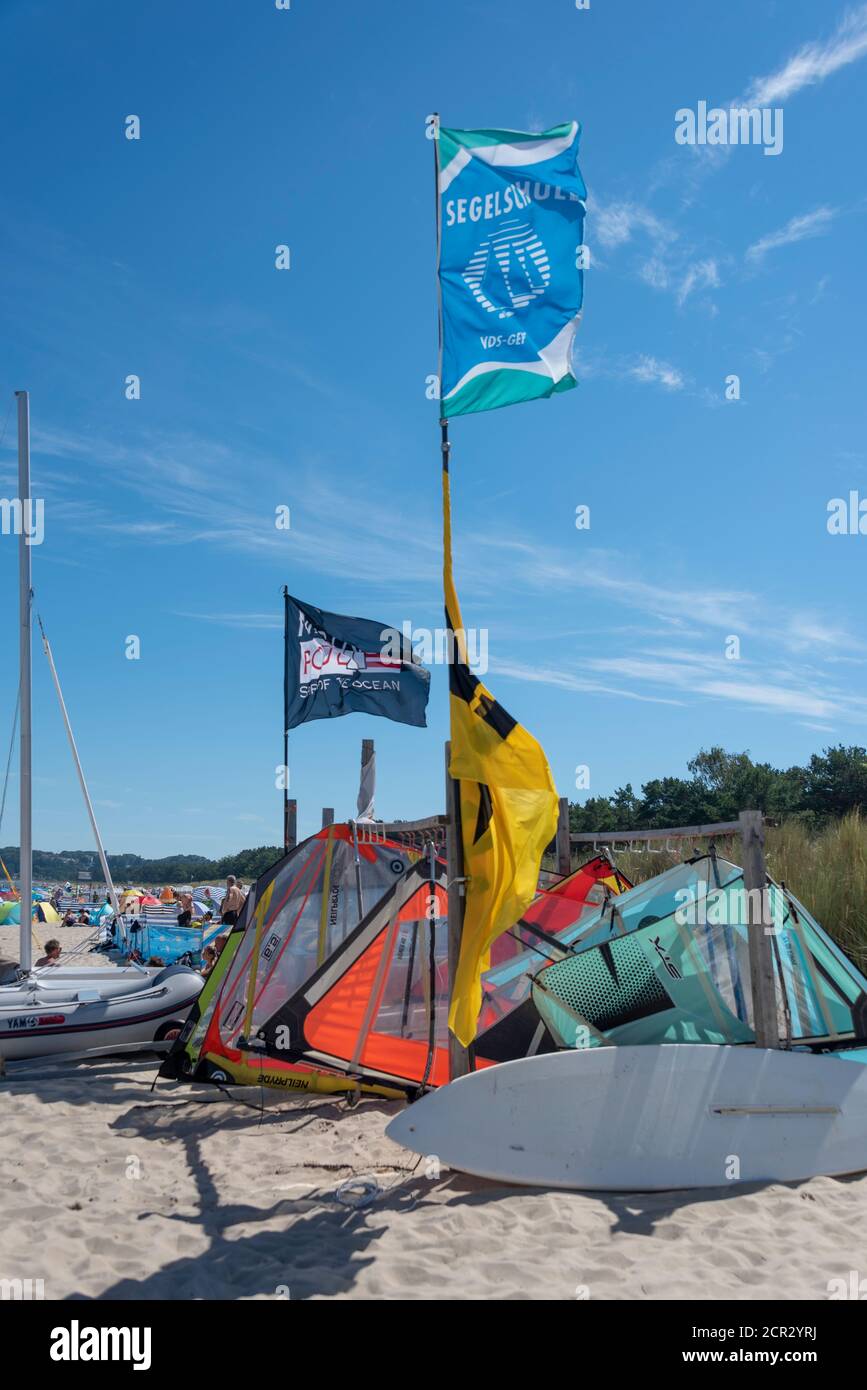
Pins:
x: 814, y: 62
x: 711, y: 676
x: 655, y: 273
x: 701, y: 275
x: 810, y: 65
x: 675, y: 675
x: 561, y: 679
x: 806, y: 632
x: 667, y: 263
x: 190, y: 486
x: 692, y: 614
x: 801, y: 228
x: 240, y: 620
x: 658, y: 373
x: 615, y: 223
x: 644, y: 368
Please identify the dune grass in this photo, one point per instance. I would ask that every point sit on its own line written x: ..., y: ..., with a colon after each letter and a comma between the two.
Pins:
x: 826, y: 870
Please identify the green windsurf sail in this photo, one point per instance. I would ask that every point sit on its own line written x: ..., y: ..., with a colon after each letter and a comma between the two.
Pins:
x: 671, y: 965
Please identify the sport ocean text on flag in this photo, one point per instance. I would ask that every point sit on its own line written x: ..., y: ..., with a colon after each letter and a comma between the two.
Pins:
x: 508, y: 806
x: 511, y: 232
x: 340, y: 665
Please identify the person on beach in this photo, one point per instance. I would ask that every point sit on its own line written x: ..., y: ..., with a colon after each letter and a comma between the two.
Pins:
x: 185, y: 916
x: 53, y: 949
x: 209, y: 960
x: 232, y: 903
x: 69, y: 919
x: 219, y: 943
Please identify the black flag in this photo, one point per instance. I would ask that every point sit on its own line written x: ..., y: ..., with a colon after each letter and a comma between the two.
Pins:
x: 340, y: 665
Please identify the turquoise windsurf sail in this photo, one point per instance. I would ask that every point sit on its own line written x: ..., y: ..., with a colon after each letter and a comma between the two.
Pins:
x: 671, y: 964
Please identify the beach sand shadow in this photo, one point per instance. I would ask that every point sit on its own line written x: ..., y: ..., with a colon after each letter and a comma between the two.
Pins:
x: 320, y: 1251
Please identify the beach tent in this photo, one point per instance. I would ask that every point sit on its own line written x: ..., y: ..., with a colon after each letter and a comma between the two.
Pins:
x: 311, y: 993
x: 10, y: 913
x: 211, y: 897
x: 167, y: 895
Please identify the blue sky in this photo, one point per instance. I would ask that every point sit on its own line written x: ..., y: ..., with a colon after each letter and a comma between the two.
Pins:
x: 307, y: 388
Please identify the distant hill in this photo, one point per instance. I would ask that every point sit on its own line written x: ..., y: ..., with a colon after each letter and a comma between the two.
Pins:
x: 64, y: 864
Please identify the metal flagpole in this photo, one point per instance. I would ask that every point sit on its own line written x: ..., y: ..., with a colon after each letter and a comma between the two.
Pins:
x: 25, y: 868
x: 431, y: 964
x: 459, y: 1057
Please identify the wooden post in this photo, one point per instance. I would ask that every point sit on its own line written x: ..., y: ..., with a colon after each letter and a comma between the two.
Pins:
x: 459, y: 1057
x: 367, y: 780
x: 564, y: 849
x: 290, y: 832
x: 761, y: 958
x: 327, y: 816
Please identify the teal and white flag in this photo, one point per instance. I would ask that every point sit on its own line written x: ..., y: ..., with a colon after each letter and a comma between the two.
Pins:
x: 511, y: 213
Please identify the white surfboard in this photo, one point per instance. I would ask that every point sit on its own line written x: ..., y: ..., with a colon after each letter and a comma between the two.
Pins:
x: 632, y: 1119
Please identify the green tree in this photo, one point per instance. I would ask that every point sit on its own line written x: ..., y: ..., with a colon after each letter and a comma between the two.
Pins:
x: 836, y: 782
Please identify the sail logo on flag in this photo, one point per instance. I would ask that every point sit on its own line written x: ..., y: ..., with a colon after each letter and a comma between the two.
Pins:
x: 513, y: 264
x: 320, y: 658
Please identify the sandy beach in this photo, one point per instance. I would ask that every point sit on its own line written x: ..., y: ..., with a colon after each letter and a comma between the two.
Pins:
x: 72, y: 939
x: 114, y: 1191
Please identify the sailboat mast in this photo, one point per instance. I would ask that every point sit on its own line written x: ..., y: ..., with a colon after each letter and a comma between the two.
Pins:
x: 25, y: 869
x: 286, y: 837
x: 85, y: 793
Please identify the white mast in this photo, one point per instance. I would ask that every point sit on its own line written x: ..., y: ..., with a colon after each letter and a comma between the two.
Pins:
x: 69, y: 734
x: 25, y: 869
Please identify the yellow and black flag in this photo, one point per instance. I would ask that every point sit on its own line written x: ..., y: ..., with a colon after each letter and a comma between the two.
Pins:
x: 508, y: 805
